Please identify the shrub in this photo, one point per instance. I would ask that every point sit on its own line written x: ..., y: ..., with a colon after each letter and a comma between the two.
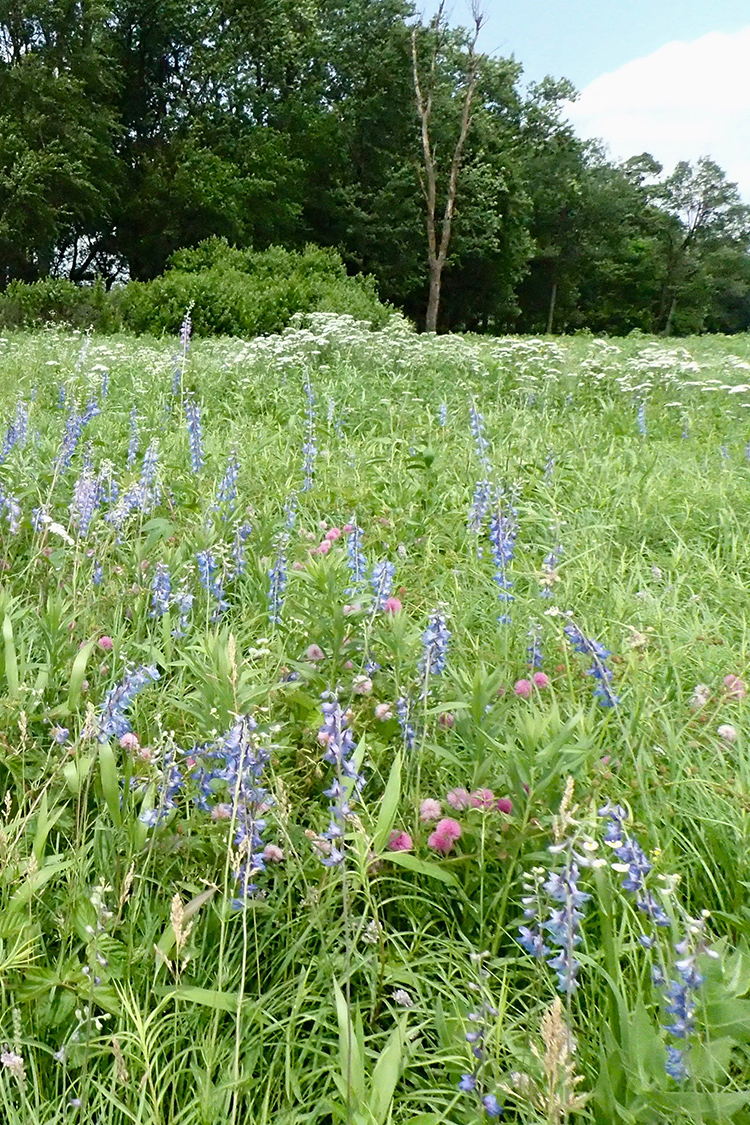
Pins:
x: 247, y: 293
x: 57, y: 301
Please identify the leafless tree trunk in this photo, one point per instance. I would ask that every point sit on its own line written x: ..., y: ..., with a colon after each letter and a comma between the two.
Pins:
x: 437, y: 248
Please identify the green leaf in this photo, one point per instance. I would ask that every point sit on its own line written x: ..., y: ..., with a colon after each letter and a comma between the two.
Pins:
x: 419, y: 867
x: 207, y: 997
x: 386, y: 1074
x: 11, y: 663
x: 388, y: 806
x: 351, y: 1056
x: 78, y: 673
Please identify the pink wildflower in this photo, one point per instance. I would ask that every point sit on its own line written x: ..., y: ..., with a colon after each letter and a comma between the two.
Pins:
x: 392, y: 605
x: 221, y: 812
x: 383, y: 711
x: 400, y: 842
x: 523, y: 688
x: 446, y: 833
x: 482, y: 799
x: 130, y: 741
x: 333, y: 534
x: 347, y: 528
x: 272, y: 853
x: 362, y: 685
x: 430, y: 809
x: 447, y: 720
x: 727, y: 732
x: 315, y: 652
x: 541, y: 680
x: 324, y: 547
x: 458, y: 799
x: 735, y: 687
x: 504, y: 805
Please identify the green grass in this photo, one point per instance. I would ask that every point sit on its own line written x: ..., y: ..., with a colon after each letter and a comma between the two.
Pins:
x: 342, y: 994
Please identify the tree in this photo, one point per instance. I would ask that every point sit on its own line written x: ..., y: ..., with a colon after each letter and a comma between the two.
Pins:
x: 425, y: 89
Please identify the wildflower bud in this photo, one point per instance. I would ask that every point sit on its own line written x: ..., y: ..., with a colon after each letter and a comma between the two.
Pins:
x: 400, y: 842
x: 392, y: 605
x: 106, y: 643
x: 541, y: 680
x: 447, y: 720
x: 383, y: 712
x: 130, y: 742
x: 735, y: 687
x: 524, y: 688
x: 430, y: 809
x: 362, y: 685
x: 727, y: 732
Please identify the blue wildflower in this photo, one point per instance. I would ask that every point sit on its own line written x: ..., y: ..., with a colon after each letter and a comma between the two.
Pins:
x: 347, y: 783
x: 502, y: 536
x: 161, y: 588
x: 113, y: 722
x: 381, y: 580
x: 193, y: 416
x: 435, y: 648
x: 355, y: 558
x: 227, y: 491
x: 403, y: 711
x: 85, y: 500
x: 133, y: 442
x: 599, y: 670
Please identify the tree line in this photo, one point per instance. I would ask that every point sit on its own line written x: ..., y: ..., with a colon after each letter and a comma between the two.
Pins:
x: 132, y: 128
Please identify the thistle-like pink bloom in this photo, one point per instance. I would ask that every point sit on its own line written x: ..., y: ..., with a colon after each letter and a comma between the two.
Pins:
x: 458, y: 799
x: 523, y: 688
x: 315, y: 652
x: 272, y: 853
x: 447, y: 831
x: 400, y: 842
x: 130, y: 741
x: 333, y: 534
x: 430, y: 809
x: 541, y: 680
x: 383, y: 711
x: 482, y: 799
x: 504, y: 805
x: 447, y: 720
x: 392, y: 605
x: 727, y: 732
x: 735, y: 687
x: 106, y: 643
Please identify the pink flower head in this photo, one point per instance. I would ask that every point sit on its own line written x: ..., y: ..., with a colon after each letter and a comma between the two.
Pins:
x: 333, y: 534
x: 447, y: 831
x: 272, y: 853
x: 735, y: 687
x: 315, y: 652
x: 362, y: 685
x: 504, y: 805
x: 400, y: 842
x: 541, y: 680
x: 430, y: 809
x: 383, y: 711
x: 106, y: 643
x: 727, y: 732
x: 447, y: 720
x: 392, y: 605
x: 348, y: 610
x: 221, y: 812
x: 523, y: 688
x: 324, y: 547
x: 347, y: 528
x: 297, y: 565
x: 130, y: 741
x: 458, y: 799
x: 482, y: 799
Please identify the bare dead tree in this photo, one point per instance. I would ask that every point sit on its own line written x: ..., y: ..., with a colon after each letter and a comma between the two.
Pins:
x: 424, y: 88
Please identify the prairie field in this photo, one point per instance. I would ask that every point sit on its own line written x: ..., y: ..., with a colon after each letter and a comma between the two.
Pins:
x: 374, y: 740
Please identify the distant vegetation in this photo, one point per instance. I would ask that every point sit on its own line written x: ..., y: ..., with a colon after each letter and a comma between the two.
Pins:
x: 229, y: 292
x: 130, y: 129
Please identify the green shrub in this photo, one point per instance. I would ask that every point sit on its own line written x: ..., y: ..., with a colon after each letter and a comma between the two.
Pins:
x: 247, y: 293
x: 53, y: 300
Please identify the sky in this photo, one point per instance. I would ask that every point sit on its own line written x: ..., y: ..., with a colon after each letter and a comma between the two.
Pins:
x: 669, y: 77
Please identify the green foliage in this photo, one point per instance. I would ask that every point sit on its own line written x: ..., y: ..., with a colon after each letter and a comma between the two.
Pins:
x: 244, y: 293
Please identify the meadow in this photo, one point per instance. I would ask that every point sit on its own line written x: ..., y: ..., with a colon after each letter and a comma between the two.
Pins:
x: 374, y: 729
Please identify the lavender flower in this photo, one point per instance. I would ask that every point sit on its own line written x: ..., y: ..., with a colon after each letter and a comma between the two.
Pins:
x: 193, y: 416
x: 443, y: 414
x: 347, y: 782
x: 641, y: 418
x: 403, y: 710
x: 599, y: 670
x: 278, y: 578
x: 502, y: 536
x: 381, y: 580
x: 355, y: 558
x: 170, y: 781
x: 133, y: 442
x: 474, y: 1082
x: 211, y: 580
x: 113, y: 722
x: 85, y: 500
x: 479, y: 507
x: 632, y: 862
x: 97, y: 574
x: 549, y: 571
x: 227, y: 491
x: 183, y: 600
x: 435, y: 648
x: 476, y: 423
x: 161, y: 588
x: 238, y: 548
x: 534, y: 650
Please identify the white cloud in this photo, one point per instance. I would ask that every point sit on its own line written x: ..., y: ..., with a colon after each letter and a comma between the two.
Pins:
x: 684, y: 101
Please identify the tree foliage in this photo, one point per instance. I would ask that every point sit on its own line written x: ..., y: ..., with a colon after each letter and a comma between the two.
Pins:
x: 132, y: 128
